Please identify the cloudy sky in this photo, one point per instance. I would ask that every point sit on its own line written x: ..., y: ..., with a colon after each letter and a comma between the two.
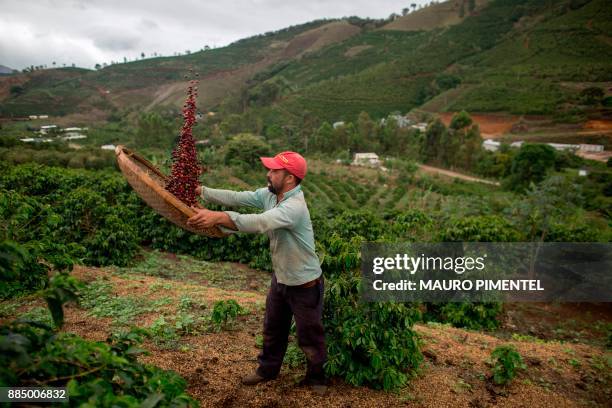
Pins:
x: 86, y: 32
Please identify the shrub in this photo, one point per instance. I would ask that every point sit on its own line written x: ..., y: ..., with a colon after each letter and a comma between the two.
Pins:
x: 370, y: 344
x: 506, y: 362
x: 225, y: 312
x: 480, y: 228
x: 473, y: 316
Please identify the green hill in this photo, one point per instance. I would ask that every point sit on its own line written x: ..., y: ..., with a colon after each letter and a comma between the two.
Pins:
x: 516, y: 56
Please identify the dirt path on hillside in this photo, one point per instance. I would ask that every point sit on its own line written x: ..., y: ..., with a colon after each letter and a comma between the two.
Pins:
x: 454, y: 174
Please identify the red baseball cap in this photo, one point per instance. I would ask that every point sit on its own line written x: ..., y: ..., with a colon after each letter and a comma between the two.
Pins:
x: 293, y: 162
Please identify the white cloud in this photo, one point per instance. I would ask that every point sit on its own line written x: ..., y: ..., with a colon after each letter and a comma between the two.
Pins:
x: 86, y: 32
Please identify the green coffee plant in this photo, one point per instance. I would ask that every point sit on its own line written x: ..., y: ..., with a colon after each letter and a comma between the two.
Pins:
x: 506, y: 362
x: 225, y: 312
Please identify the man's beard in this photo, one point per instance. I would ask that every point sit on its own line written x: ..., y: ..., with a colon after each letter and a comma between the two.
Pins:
x: 271, y: 187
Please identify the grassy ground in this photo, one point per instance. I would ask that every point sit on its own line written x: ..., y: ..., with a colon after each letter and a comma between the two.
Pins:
x: 567, y: 363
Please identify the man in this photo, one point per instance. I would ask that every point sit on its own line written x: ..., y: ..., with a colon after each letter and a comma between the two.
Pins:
x: 297, y: 283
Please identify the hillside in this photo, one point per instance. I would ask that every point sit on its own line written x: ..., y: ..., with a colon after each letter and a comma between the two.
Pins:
x: 151, y: 82
x: 518, y: 57
x: 524, y: 57
x: 4, y: 70
x: 436, y: 16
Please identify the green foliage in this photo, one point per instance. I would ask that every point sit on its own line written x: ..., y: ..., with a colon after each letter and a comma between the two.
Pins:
x: 20, y: 271
x: 358, y: 350
x: 460, y: 120
x: 245, y: 150
x: 62, y: 288
x: 154, y: 130
x: 506, y: 362
x: 530, y: 165
x: 95, y: 373
x: 480, y: 228
x: 98, y: 299
x: 164, y: 334
x: 473, y: 316
x: 294, y: 357
x: 225, y: 312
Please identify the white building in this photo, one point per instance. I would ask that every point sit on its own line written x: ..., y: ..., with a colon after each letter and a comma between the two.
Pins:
x: 336, y: 125
x: 401, y: 121
x: 108, y: 147
x: 47, y: 128
x: 564, y: 146
x: 422, y: 126
x: 36, y: 140
x: 366, y: 159
x: 591, y: 148
x: 491, y: 145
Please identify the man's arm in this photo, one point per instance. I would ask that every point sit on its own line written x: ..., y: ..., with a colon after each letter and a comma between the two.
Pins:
x: 284, y: 216
x: 231, y: 198
x: 208, y: 219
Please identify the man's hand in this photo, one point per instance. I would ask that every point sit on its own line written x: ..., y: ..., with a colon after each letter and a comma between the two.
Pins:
x: 204, y: 218
x: 198, y: 190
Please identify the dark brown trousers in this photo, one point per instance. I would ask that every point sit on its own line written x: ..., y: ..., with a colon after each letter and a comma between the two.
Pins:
x: 306, y: 306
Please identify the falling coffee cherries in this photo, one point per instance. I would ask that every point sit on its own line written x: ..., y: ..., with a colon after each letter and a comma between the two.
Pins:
x: 186, y: 170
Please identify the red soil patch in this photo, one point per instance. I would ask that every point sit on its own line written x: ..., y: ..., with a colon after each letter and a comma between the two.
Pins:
x: 605, y: 125
x: 491, y: 126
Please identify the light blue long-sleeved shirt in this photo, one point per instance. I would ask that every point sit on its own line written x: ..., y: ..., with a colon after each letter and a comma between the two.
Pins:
x: 287, y: 224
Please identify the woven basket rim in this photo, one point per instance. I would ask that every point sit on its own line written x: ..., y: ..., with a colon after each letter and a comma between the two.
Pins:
x: 128, y: 157
x: 168, y: 196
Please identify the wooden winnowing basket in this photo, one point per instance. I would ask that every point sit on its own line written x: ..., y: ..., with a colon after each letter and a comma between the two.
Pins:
x: 149, y: 183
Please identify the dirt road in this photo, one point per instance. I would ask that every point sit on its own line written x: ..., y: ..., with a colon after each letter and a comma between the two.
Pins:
x: 454, y: 174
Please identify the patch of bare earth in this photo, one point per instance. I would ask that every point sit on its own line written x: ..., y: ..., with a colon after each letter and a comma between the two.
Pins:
x: 491, y: 125
x: 351, y: 52
x: 457, y: 364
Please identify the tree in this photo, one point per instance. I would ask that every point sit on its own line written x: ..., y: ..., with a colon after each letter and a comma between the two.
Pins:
x: 154, y: 130
x: 460, y: 120
x: 405, y: 11
x: 366, y: 128
x: 142, y: 55
x: 245, y: 149
x: 414, y: 6
x: 530, y: 165
x: 435, y: 133
x: 98, y: 66
x: 323, y: 138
